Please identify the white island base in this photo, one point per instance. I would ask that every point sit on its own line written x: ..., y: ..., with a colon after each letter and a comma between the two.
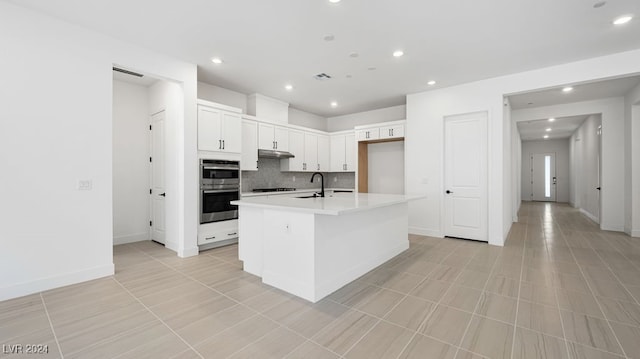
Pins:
x: 311, y: 254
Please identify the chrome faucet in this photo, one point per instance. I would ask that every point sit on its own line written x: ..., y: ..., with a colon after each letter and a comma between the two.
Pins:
x: 322, y: 179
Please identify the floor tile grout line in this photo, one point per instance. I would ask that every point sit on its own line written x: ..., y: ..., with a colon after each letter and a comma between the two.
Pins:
x: 422, y: 323
x: 515, y: 320
x: 53, y: 331
x: 158, y: 318
x: 597, y: 301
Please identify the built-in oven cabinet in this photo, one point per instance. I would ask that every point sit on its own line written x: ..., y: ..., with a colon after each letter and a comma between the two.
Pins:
x: 219, y: 129
x: 217, y: 232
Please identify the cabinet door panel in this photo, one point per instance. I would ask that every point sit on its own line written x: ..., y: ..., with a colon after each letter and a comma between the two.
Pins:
x: 232, y: 133
x: 350, y: 153
x: 323, y: 153
x: 337, y: 153
x: 395, y: 131
x: 296, y: 147
x: 209, y: 129
x: 265, y: 136
x: 281, y: 137
x: 249, y: 161
x: 311, y: 152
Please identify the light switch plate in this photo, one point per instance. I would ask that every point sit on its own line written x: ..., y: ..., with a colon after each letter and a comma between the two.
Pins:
x: 85, y: 185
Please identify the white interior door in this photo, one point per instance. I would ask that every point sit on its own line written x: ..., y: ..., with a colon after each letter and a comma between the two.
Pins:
x: 543, y: 177
x: 157, y: 177
x: 599, y: 188
x: 465, y: 176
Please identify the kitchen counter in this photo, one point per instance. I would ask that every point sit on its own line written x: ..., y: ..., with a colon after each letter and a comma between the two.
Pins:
x: 332, y: 204
x: 310, y: 247
x: 283, y: 193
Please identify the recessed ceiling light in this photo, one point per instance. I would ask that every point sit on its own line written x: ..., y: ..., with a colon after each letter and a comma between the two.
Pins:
x: 622, y: 20
x: 548, y: 130
x: 431, y: 83
x: 216, y: 60
x: 567, y: 89
x: 545, y: 136
x: 552, y: 119
x: 334, y: 104
x: 334, y: 1
x: 398, y: 53
x: 288, y: 87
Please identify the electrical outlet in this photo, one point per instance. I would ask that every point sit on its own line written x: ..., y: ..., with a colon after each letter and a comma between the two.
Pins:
x: 85, y: 185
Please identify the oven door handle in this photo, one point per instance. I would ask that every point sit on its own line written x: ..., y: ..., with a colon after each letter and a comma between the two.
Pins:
x: 220, y: 168
x: 220, y: 191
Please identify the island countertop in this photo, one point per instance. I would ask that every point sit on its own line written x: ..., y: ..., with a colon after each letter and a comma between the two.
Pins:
x: 335, y: 204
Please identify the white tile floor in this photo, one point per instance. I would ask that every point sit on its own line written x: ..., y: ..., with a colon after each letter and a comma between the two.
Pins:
x: 559, y: 288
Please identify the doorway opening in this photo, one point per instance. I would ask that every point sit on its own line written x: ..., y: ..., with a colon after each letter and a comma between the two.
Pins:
x: 543, y: 177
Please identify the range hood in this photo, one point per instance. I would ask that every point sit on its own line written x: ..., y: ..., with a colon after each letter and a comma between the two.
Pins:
x: 275, y: 154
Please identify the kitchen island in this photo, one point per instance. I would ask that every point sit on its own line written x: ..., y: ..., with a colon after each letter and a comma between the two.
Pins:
x: 311, y: 247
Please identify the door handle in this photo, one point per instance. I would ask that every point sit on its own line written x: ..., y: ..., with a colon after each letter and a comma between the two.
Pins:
x: 448, y: 192
x: 219, y: 144
x: 163, y: 194
x: 598, y: 188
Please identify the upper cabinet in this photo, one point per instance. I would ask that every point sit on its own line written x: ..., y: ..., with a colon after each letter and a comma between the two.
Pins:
x: 219, y: 128
x: 311, y: 151
x: 381, y: 132
x: 343, y: 147
x: 249, y: 160
x: 273, y: 137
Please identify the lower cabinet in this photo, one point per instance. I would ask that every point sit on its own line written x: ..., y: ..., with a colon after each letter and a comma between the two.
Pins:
x: 217, y: 232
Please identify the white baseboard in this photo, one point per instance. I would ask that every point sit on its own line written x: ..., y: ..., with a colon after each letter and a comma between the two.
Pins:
x: 426, y: 232
x: 39, y: 285
x: 188, y: 252
x: 634, y: 233
x: 589, y: 215
x: 611, y: 227
x: 131, y: 238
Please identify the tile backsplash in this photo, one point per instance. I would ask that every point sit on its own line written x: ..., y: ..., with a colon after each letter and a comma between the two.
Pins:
x: 269, y: 175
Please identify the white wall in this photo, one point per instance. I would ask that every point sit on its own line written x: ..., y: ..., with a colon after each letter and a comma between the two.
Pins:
x: 632, y: 162
x: 348, y: 122
x: 223, y: 96
x: 386, y: 167
x: 613, y: 155
x: 516, y: 164
x: 423, y: 143
x: 236, y: 99
x: 130, y: 163
x: 585, y: 167
x: 57, y: 122
x: 561, y: 148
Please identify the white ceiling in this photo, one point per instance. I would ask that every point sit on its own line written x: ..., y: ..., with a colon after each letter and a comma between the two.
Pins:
x: 266, y: 44
x: 581, y: 92
x: 562, y: 127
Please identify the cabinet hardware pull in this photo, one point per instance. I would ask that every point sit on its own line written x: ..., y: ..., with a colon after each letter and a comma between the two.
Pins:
x: 208, y: 238
x: 276, y: 145
x: 232, y: 234
x: 256, y: 164
x: 318, y: 167
x: 219, y: 144
x: 223, y: 144
x: 392, y: 132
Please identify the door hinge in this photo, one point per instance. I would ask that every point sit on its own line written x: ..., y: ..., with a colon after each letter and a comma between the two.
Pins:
x: 150, y: 223
x: 150, y: 159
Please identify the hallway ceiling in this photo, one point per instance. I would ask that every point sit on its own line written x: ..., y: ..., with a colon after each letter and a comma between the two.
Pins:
x: 581, y: 92
x: 562, y: 127
x: 267, y: 44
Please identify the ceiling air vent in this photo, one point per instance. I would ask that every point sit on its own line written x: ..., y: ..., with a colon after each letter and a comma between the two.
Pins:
x: 322, y: 77
x: 127, y: 72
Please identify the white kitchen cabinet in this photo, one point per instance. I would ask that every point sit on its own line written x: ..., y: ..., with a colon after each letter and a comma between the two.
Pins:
x: 218, y: 130
x: 249, y: 160
x: 323, y: 153
x: 310, y: 152
x: 368, y: 134
x: 272, y: 137
x: 343, y: 153
x: 394, y: 131
x: 296, y: 147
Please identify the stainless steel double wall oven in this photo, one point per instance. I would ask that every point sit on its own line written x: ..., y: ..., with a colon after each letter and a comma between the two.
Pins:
x: 219, y: 185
